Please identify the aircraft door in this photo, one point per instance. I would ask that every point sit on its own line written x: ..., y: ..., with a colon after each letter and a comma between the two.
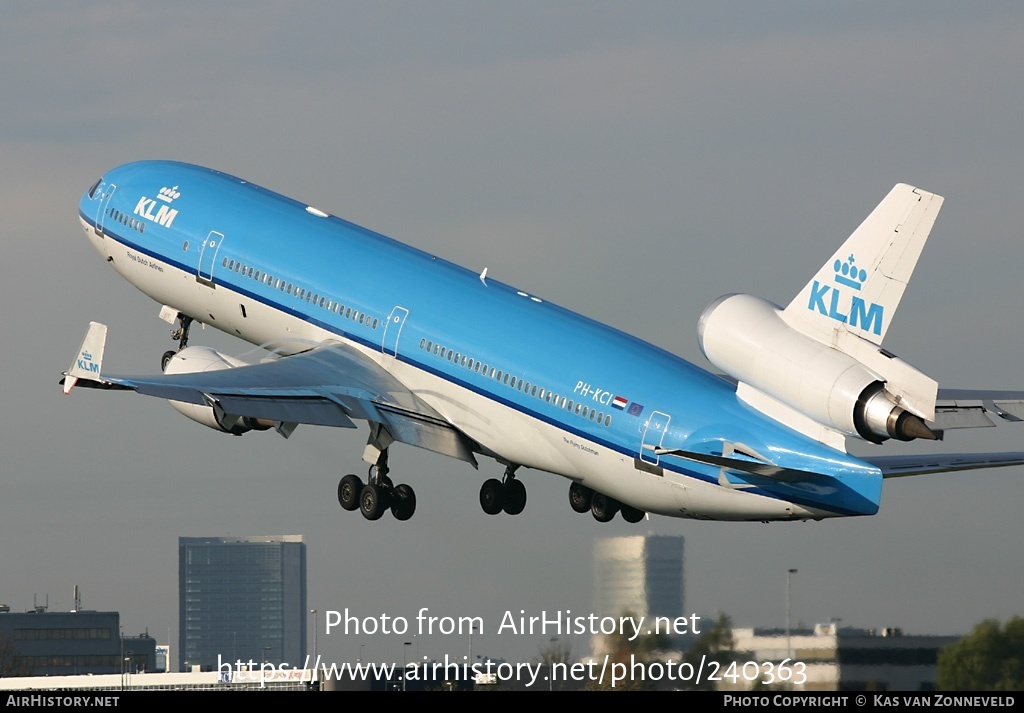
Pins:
x: 393, y: 330
x: 654, y: 434
x: 101, y: 212
x: 208, y: 256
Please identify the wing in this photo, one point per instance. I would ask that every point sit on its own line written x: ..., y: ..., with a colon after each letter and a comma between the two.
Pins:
x: 964, y: 408
x: 327, y: 386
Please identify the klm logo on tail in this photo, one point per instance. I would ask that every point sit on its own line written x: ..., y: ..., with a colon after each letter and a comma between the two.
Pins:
x: 831, y: 300
x: 85, y: 363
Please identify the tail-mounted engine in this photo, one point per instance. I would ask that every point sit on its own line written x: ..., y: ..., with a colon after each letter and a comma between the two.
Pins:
x: 748, y: 339
x: 199, y: 359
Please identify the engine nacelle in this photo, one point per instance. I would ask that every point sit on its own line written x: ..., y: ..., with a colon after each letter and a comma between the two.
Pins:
x: 747, y: 338
x: 193, y: 360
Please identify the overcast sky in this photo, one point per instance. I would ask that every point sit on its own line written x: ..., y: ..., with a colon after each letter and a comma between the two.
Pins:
x: 629, y: 161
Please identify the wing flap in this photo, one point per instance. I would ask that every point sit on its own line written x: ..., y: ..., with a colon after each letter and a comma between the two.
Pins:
x: 287, y: 409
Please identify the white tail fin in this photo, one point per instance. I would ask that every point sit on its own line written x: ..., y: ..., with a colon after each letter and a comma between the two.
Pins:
x: 87, y: 362
x: 860, y: 287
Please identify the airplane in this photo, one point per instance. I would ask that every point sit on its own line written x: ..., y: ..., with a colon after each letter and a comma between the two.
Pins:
x: 355, y: 326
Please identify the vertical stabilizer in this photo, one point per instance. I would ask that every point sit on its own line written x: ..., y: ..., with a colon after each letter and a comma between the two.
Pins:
x: 859, y: 288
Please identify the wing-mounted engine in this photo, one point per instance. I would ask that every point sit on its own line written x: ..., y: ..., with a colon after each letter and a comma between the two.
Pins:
x: 748, y: 339
x: 192, y: 360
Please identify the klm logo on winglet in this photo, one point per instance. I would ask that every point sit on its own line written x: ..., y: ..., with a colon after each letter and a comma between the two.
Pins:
x: 832, y: 300
x: 164, y: 215
x: 85, y: 363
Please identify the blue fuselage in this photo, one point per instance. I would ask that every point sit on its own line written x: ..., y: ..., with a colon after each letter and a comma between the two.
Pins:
x: 264, y: 267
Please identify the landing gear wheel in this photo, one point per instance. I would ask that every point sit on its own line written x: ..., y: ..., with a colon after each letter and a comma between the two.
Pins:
x: 515, y: 497
x: 349, y: 490
x: 492, y: 496
x: 580, y: 497
x: 372, y: 502
x: 166, y: 359
x: 631, y: 514
x: 403, y: 502
x: 603, y: 508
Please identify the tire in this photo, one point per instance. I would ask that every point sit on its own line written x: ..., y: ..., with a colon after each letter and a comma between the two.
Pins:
x: 492, y: 496
x: 515, y: 497
x: 166, y: 359
x: 349, y: 490
x: 403, y: 502
x: 372, y: 502
x: 580, y: 497
x: 631, y: 514
x: 603, y: 508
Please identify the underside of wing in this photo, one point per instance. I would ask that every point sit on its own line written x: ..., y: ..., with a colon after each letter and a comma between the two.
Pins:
x: 331, y: 385
x: 901, y: 466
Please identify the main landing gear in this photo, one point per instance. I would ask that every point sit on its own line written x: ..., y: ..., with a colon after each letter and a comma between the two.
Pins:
x: 603, y: 508
x: 378, y: 495
x: 181, y: 335
x: 507, y: 494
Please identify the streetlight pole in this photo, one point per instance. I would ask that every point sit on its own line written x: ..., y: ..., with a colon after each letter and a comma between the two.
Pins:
x: 313, y: 612
x: 789, y: 642
x: 405, y: 661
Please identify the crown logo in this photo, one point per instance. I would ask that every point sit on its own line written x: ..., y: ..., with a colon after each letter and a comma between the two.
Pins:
x: 168, y: 194
x: 847, y: 273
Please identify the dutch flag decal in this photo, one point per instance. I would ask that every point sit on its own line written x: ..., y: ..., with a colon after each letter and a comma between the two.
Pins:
x: 619, y: 403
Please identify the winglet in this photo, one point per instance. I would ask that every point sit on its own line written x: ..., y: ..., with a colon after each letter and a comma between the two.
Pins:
x: 861, y: 285
x: 86, y: 364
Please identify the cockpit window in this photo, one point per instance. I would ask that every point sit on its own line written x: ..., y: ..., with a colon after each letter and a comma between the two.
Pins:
x: 92, y: 191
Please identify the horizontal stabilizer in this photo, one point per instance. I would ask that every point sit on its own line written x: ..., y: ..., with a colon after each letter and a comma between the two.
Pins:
x: 965, y: 408
x: 901, y: 466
